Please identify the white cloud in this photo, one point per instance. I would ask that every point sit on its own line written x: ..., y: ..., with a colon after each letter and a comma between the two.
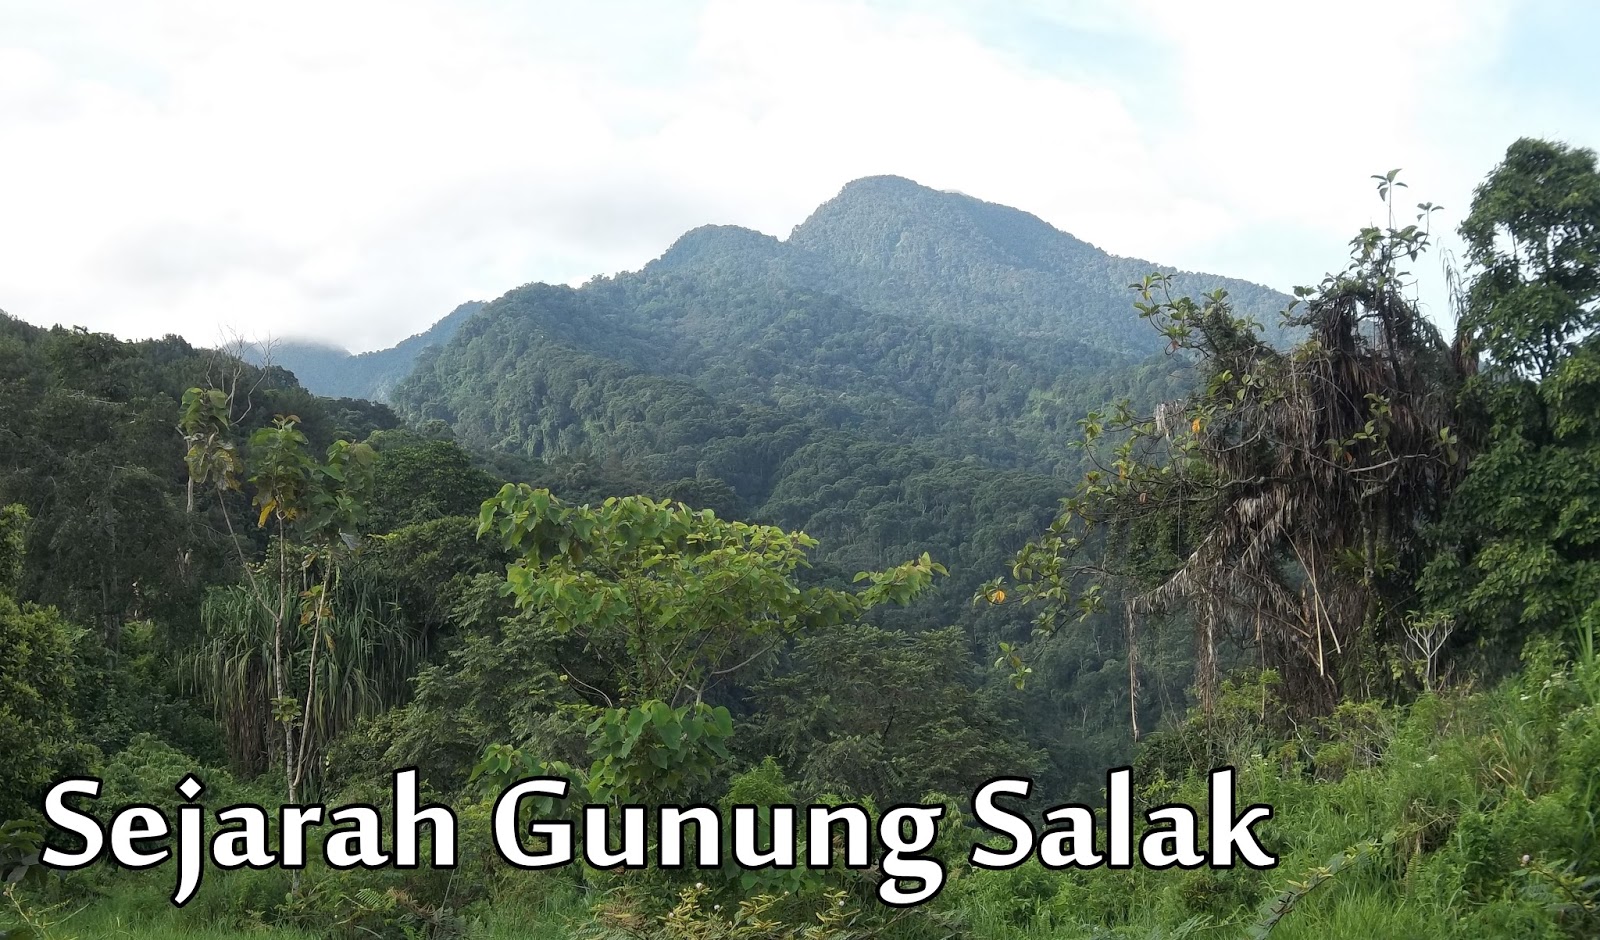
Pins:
x: 354, y: 170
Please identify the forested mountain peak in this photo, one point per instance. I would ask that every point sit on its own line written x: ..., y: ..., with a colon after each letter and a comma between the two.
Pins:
x: 878, y: 221
x: 927, y: 252
x: 895, y: 312
x: 886, y: 248
x: 717, y: 244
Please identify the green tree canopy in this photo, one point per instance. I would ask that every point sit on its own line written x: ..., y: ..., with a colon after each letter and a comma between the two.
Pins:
x: 37, y: 671
x: 1522, y: 544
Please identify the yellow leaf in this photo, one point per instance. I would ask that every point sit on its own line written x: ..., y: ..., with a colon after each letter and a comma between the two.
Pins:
x: 997, y: 596
x: 1194, y: 426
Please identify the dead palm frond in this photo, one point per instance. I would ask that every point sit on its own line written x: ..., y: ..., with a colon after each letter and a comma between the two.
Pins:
x: 1320, y: 473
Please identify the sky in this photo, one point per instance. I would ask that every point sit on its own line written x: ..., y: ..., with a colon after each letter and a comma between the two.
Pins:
x: 350, y: 171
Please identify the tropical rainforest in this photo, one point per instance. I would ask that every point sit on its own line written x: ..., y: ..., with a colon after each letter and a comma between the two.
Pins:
x: 925, y: 494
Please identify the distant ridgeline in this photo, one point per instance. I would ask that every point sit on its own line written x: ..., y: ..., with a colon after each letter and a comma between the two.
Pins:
x: 337, y: 373
x: 902, y: 374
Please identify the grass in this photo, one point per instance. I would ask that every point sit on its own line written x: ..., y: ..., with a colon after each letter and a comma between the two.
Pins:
x: 108, y: 919
x: 1480, y: 809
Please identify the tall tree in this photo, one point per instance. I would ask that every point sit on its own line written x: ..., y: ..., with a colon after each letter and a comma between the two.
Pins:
x: 1521, y: 550
x: 1534, y: 237
x: 664, y: 604
x: 1282, y: 504
x: 37, y: 736
x: 275, y: 626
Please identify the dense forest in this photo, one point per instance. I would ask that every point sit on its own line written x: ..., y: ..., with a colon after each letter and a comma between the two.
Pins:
x: 926, y: 494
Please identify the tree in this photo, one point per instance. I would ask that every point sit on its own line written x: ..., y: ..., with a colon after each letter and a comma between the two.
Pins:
x: 417, y: 481
x: 270, y: 633
x: 1283, y: 503
x: 667, y: 599
x: 862, y: 711
x: 13, y: 520
x: 664, y: 603
x: 1534, y: 237
x: 1520, y: 550
x: 37, y: 736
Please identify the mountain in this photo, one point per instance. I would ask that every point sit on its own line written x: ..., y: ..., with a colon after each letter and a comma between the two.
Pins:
x: 337, y: 373
x: 895, y: 311
x: 904, y: 373
x: 895, y: 246
x: 885, y: 246
x: 892, y: 246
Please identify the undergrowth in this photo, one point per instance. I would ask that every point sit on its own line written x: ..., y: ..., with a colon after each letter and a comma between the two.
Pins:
x: 1462, y: 815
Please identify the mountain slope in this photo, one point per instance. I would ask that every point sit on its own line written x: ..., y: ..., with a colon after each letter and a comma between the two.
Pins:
x: 900, y: 247
x: 895, y: 312
x: 337, y: 373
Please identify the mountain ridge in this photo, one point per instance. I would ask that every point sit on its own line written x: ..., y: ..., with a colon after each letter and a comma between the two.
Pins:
x: 880, y: 379
x: 332, y: 371
x: 890, y: 246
